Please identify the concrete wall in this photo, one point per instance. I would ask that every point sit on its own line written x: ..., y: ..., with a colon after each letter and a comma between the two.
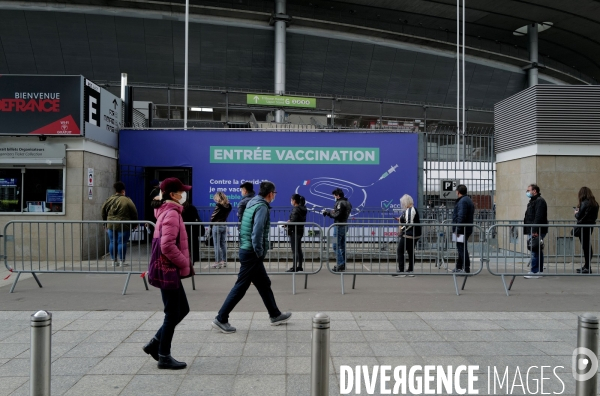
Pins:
x: 67, y: 243
x: 559, y: 178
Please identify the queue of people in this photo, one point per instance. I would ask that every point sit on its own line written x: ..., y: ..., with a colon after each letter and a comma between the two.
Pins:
x: 172, y: 256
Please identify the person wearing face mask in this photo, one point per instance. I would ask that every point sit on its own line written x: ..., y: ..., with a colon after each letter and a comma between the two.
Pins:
x: 254, y: 244
x: 219, y: 232
x: 536, y: 213
x: 296, y: 232
x: 174, y: 246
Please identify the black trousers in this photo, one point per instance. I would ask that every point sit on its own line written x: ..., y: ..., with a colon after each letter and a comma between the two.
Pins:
x: 407, y: 244
x: 585, y: 239
x: 296, y: 242
x: 176, y: 308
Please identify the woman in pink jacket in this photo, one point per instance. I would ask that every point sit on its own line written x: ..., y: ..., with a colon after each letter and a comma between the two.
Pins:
x: 174, y: 245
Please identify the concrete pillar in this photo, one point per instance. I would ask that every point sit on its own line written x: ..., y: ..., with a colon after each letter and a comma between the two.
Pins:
x: 532, y: 34
x: 280, y: 48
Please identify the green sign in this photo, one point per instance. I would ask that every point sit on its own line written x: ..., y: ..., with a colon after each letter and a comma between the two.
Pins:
x: 294, y: 155
x: 280, y: 101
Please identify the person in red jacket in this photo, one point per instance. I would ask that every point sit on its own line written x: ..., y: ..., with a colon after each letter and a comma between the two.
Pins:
x: 174, y: 246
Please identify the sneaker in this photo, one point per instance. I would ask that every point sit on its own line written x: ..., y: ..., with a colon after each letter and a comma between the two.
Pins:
x: 116, y: 264
x: 458, y: 271
x: 281, y: 319
x: 216, y: 265
x: 532, y: 275
x: 339, y: 268
x: 123, y: 264
x: 584, y: 270
x: 291, y: 270
x: 223, y: 327
x: 400, y: 274
x: 223, y: 264
x: 410, y: 274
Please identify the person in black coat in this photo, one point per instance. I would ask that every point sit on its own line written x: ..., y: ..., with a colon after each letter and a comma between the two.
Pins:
x: 586, y: 212
x: 464, y: 213
x: 296, y: 232
x: 408, y: 235
x: 536, y: 213
x: 194, y: 232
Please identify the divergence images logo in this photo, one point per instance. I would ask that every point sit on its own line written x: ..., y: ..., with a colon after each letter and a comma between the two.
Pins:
x: 590, y: 361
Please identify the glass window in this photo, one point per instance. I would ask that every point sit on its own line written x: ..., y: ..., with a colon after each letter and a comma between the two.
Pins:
x: 10, y: 190
x: 43, y: 190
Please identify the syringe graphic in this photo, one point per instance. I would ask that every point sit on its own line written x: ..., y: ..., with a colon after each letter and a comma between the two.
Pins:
x: 386, y: 174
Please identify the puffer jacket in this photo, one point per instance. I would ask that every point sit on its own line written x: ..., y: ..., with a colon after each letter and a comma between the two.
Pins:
x: 169, y: 221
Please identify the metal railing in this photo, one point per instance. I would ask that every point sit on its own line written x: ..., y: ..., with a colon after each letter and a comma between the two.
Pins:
x: 78, y: 247
x: 279, y: 259
x: 561, y: 254
x: 34, y: 247
x: 83, y: 247
x: 372, y: 249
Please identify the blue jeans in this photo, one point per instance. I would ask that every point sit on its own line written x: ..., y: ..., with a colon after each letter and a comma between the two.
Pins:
x: 220, y: 240
x: 537, y: 257
x: 118, y: 239
x: 339, y: 235
x: 252, y: 270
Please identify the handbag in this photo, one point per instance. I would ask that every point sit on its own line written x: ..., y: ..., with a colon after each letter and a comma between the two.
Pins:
x: 577, y: 231
x: 162, y: 273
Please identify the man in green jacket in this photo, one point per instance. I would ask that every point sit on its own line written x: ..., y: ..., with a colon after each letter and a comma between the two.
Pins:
x: 118, y: 207
x: 254, y: 244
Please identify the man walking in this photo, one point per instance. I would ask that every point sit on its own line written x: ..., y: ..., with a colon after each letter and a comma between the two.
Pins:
x: 536, y: 213
x: 340, y: 213
x: 118, y: 207
x: 254, y: 244
x: 463, y: 213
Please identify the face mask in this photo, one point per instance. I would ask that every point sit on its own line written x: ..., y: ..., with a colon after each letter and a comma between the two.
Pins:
x: 183, y: 198
x: 529, y: 195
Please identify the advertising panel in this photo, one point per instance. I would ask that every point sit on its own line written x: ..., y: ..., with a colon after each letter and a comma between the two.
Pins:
x: 373, y: 169
x: 40, y: 105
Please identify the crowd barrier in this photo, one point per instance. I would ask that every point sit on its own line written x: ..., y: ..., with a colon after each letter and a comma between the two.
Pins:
x: 79, y: 247
x: 372, y: 249
x: 36, y: 247
x: 278, y: 260
x: 509, y: 256
x: 83, y: 247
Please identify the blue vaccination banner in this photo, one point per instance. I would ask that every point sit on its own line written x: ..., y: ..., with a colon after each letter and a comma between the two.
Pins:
x: 374, y: 169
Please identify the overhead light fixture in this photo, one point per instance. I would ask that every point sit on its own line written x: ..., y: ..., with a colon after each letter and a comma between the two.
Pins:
x: 205, y: 109
x: 522, y: 31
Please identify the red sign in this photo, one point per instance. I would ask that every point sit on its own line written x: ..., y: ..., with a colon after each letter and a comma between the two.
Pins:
x: 64, y: 126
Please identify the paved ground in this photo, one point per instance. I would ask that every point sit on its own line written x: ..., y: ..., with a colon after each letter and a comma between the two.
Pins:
x: 99, y: 352
x: 394, y: 321
x: 76, y: 292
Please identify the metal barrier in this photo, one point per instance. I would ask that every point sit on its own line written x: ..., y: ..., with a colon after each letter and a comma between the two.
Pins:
x: 278, y: 261
x: 371, y: 249
x: 80, y: 247
x: 83, y: 247
x: 508, y: 254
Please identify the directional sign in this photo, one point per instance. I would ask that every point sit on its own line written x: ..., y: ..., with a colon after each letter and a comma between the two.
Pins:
x: 448, y: 189
x: 280, y: 101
